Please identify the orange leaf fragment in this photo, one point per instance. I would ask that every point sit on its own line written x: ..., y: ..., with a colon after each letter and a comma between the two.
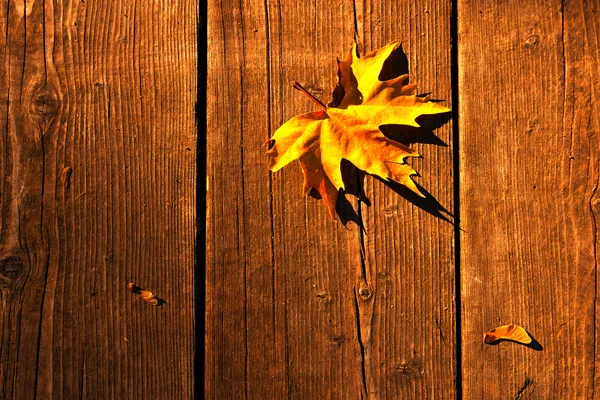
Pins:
x: 146, y: 295
x: 65, y: 176
x: 350, y: 131
x: 508, y: 332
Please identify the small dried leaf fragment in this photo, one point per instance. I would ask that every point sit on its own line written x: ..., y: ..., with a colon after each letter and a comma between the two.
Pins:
x: 149, y: 297
x: 65, y: 177
x: 146, y: 295
x: 508, y: 332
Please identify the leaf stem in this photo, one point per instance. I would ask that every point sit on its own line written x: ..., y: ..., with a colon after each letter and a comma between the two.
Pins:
x: 299, y: 87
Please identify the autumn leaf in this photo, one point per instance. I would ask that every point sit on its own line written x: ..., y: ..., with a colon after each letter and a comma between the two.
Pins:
x: 145, y: 294
x: 508, y: 332
x: 320, y: 140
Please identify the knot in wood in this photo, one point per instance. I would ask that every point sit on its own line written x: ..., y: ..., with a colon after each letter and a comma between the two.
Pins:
x: 532, y: 41
x: 11, y: 267
x: 365, y: 293
x: 412, y: 367
x: 45, y: 104
x: 324, y: 296
x: 337, y: 339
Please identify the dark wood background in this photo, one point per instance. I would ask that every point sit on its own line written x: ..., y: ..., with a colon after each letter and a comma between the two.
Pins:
x: 98, y: 172
x: 295, y: 308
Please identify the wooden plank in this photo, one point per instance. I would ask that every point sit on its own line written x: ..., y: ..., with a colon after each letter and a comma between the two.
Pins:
x: 410, y: 256
x: 285, y: 316
x: 529, y: 175
x: 98, y: 177
x: 274, y: 258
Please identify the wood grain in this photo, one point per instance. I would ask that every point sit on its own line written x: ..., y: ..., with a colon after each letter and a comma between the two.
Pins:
x: 529, y: 172
x: 296, y: 307
x: 410, y: 256
x: 274, y: 326
x: 98, y: 181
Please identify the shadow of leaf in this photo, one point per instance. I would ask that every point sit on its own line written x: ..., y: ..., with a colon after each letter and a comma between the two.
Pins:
x: 408, y: 135
x: 346, y: 212
x: 395, y: 65
x: 428, y: 203
x: 534, y: 345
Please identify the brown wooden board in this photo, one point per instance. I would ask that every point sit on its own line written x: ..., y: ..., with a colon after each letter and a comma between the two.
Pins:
x: 97, y: 164
x: 296, y: 308
x: 529, y: 168
x: 410, y: 251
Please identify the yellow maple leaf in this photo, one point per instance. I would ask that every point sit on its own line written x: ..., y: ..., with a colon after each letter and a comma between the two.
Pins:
x: 320, y: 140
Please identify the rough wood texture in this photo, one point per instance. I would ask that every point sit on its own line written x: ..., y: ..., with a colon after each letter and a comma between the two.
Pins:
x: 529, y: 168
x: 291, y: 311
x: 97, y: 164
x: 410, y: 257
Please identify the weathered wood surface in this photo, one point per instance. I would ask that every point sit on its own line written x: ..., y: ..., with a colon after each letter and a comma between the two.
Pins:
x: 291, y: 312
x: 97, y: 164
x: 529, y: 171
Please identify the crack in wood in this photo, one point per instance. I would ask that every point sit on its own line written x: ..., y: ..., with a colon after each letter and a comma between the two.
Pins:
x: 594, y: 203
x: 528, y: 382
x: 363, y: 305
x: 361, y: 345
